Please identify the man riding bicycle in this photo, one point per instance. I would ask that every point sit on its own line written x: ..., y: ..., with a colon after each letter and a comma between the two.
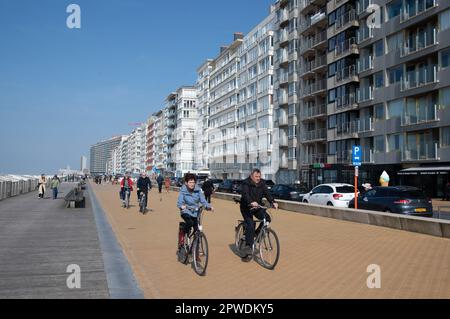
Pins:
x: 189, y: 201
x: 143, y: 186
x: 126, y: 186
x: 253, y: 190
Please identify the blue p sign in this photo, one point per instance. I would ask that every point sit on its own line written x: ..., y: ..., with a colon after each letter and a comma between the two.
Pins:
x: 356, y: 155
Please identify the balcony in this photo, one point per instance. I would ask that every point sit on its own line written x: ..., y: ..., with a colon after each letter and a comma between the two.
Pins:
x: 421, y: 152
x: 284, y: 78
x: 424, y: 115
x: 365, y: 63
x: 419, y: 78
x: 313, y: 20
x: 364, y: 33
x: 312, y: 159
x: 362, y: 5
x: 283, y: 120
x: 283, y: 16
x: 314, y: 88
x: 347, y: 129
x: 283, y: 37
x: 311, y: 43
x: 365, y: 125
x: 345, y: 20
x: 422, y: 41
x: 347, y: 47
x: 365, y: 94
x: 348, y: 73
x: 367, y: 156
x: 314, y: 135
x: 283, y: 99
x: 346, y: 101
x: 283, y: 141
x: 313, y: 111
x: 284, y: 57
x: 317, y: 63
x: 343, y: 157
x: 420, y: 7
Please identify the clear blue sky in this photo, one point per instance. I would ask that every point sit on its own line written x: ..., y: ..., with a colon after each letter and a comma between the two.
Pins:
x: 62, y: 90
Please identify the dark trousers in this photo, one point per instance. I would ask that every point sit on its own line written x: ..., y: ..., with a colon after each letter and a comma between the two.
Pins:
x: 208, y: 197
x: 146, y: 196
x: 55, y: 193
x: 189, y: 222
x: 160, y: 188
x: 250, y: 224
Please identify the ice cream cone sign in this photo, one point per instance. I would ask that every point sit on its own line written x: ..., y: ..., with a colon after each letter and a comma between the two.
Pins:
x: 384, y: 179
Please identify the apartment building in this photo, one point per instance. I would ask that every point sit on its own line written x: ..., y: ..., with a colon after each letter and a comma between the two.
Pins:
x: 100, y: 155
x: 150, y: 145
x: 160, y: 140
x: 170, y: 122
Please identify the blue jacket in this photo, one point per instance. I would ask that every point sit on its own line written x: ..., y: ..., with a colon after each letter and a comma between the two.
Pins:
x: 191, y: 200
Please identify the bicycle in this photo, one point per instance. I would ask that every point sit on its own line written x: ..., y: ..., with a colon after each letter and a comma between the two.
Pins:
x: 266, y: 245
x: 143, y: 203
x: 195, y: 246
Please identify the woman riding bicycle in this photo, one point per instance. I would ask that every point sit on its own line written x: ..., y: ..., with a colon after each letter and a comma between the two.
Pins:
x: 189, y: 201
x: 253, y: 191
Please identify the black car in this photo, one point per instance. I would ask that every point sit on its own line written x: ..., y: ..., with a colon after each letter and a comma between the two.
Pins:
x: 216, y: 183
x: 229, y: 186
x: 286, y: 192
x: 396, y: 199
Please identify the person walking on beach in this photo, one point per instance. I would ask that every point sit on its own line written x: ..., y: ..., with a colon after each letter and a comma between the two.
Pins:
x: 41, y: 183
x: 54, y: 186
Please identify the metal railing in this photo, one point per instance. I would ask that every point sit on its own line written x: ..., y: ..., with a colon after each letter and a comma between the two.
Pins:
x: 345, y: 73
x: 427, y: 151
x: 345, y: 20
x: 315, y: 159
x: 345, y: 47
x: 428, y: 113
x: 14, y: 185
x: 345, y: 101
x: 313, y: 88
x: 365, y: 94
x: 364, y: 33
x: 420, y: 7
x: 311, y: 42
x: 315, y: 110
x: 365, y: 63
x: 316, y: 63
x: 421, y: 42
x: 361, y: 6
x: 420, y: 77
x: 315, y: 135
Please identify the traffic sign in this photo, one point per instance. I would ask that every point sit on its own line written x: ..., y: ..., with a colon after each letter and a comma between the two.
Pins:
x: 356, y: 156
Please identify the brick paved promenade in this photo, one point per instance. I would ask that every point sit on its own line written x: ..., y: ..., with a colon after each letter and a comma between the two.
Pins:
x: 320, y: 257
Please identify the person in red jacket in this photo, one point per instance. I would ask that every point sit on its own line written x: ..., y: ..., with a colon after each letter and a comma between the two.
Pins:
x: 126, y: 185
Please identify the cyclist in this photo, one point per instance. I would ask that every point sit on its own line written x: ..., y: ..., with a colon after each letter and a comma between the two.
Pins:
x: 143, y: 186
x: 126, y: 185
x: 253, y: 190
x: 189, y: 200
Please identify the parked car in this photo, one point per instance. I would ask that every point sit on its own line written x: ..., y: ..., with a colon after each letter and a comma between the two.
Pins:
x: 396, y: 199
x: 286, y: 192
x: 338, y: 195
x: 269, y: 184
x: 229, y: 186
x: 216, y: 183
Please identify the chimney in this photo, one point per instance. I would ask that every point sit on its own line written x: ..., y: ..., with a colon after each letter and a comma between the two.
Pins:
x: 238, y: 36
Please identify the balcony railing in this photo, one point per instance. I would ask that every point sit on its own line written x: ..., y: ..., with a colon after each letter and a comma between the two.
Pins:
x: 364, y: 33
x: 424, y: 151
x: 345, y: 101
x: 315, y: 135
x: 283, y: 99
x: 425, y: 114
x: 367, y: 156
x: 311, y: 42
x: 284, y: 36
x: 345, y: 73
x: 365, y: 94
x: 284, y: 16
x: 283, y: 120
x: 316, y: 87
x: 315, y: 110
x: 343, y: 157
x: 347, y: 128
x: 420, y: 77
x: 420, y: 7
x: 311, y: 20
x: 345, y: 47
x: 316, y: 63
x: 315, y: 159
x: 361, y: 6
x: 421, y: 42
x: 284, y: 57
x: 283, y: 141
x: 345, y: 20
x: 365, y: 63
x: 284, y: 78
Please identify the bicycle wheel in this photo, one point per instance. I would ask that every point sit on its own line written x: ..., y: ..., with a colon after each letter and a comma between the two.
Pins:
x: 269, y: 248
x: 240, y: 239
x: 200, y: 254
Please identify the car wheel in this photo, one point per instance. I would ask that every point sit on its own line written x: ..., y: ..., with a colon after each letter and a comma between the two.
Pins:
x: 330, y: 204
x: 305, y: 201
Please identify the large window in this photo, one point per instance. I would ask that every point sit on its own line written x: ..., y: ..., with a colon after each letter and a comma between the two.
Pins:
x: 378, y: 79
x: 378, y: 48
x: 445, y: 58
x: 445, y: 139
x: 444, y: 20
x: 395, y: 142
x: 394, y: 41
x: 379, y: 113
x: 395, y: 108
x: 379, y: 143
x: 395, y: 74
x: 445, y: 98
x: 393, y: 8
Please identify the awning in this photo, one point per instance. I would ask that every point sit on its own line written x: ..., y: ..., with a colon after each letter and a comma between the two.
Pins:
x: 425, y: 171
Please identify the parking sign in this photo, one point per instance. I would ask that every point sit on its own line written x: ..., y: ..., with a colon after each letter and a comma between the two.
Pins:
x: 356, y: 155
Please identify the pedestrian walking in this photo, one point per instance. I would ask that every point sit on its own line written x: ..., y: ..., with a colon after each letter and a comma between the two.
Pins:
x: 160, y: 181
x: 208, y: 189
x: 41, y: 183
x: 167, y: 184
x: 55, y: 182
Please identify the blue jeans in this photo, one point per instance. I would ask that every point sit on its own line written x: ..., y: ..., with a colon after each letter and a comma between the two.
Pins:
x: 55, y: 193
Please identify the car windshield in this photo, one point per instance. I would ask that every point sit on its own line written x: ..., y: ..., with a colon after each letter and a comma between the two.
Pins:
x: 345, y: 189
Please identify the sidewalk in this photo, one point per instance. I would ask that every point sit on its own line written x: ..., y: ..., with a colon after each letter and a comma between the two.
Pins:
x: 320, y: 257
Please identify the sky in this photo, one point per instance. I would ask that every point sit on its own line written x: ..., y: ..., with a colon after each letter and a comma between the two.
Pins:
x: 63, y: 90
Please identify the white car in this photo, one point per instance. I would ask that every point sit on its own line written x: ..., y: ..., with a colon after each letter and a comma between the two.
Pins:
x: 337, y: 195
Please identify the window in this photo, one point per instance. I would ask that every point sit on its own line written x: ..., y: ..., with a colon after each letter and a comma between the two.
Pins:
x: 395, y: 108
x: 292, y: 132
x: 379, y: 79
x: 394, y: 41
x: 378, y: 48
x: 331, y: 148
x: 292, y: 153
x: 445, y: 58
x: 393, y: 8
x: 331, y: 96
x: 379, y: 143
x: 444, y: 18
x: 395, y: 142
x: 395, y: 74
x: 332, y: 122
x: 445, y: 139
x: 292, y: 109
x: 379, y: 112
x: 445, y: 98
x: 331, y: 70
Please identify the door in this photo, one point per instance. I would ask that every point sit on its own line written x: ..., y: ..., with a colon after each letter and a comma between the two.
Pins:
x: 315, y: 196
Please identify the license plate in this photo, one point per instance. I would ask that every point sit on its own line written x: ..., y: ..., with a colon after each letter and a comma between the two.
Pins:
x: 420, y: 210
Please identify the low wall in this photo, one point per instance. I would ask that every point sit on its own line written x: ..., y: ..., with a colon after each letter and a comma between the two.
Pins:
x: 423, y: 225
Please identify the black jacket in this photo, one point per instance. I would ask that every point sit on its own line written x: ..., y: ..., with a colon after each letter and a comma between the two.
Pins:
x: 254, y: 193
x: 208, y: 187
x: 160, y: 180
x: 144, y: 184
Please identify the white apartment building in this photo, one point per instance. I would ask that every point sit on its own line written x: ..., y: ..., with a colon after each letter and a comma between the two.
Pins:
x: 160, y: 140
x: 186, y: 115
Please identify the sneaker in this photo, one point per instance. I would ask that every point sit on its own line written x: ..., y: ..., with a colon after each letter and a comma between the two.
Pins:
x: 248, y: 250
